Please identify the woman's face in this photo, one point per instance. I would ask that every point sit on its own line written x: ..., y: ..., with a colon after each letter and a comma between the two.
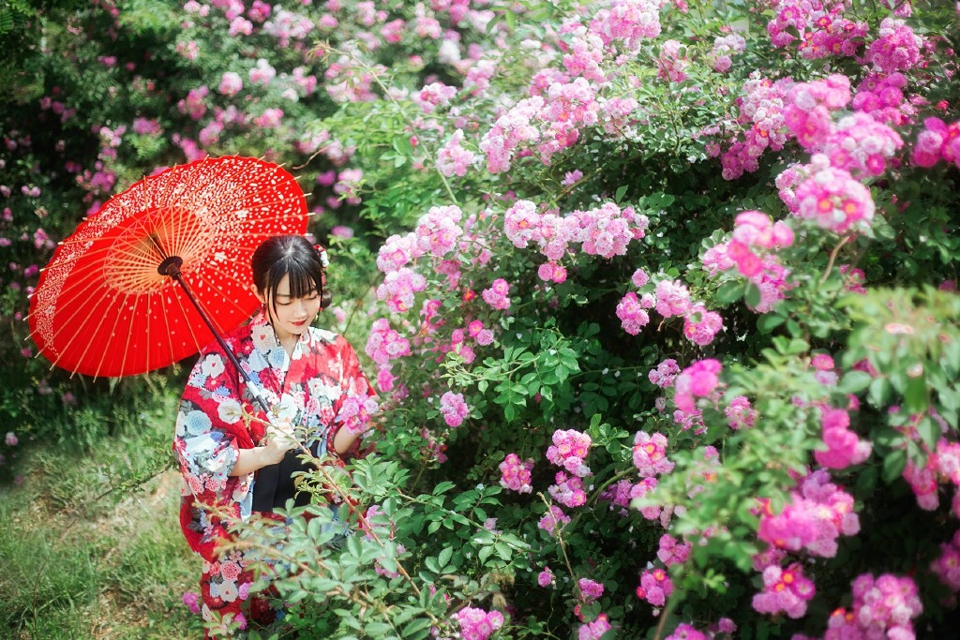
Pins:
x: 290, y: 316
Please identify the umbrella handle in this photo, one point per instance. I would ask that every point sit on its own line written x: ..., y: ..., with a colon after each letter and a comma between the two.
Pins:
x: 171, y: 267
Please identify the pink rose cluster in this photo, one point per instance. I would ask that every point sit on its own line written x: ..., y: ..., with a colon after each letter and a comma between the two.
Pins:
x: 515, y: 474
x: 383, y: 345
x: 822, y: 30
x: 831, y: 197
x: 568, y: 490
x: 569, y: 450
x: 671, y: 298
x: 942, y: 467
x: 844, y: 447
x: 552, y: 519
x: 817, y: 514
x: 882, y: 607
x: 784, y: 590
x: 672, y: 551
x: 947, y: 565
x: 477, y: 624
x: 862, y: 145
x: 453, y: 408
x: 699, y: 380
x: 605, y: 231
x: 896, y: 49
x: 356, y: 413
x: 496, y: 295
x: 453, y: 159
x: 761, y: 115
x: 595, y: 629
x: 809, y: 105
x: 399, y: 289
x: 739, y: 413
x: 655, y: 586
x: 438, y: 230
x: 881, y: 96
x: 650, y: 454
x: 723, y: 48
x: 752, y: 250
x: 938, y: 141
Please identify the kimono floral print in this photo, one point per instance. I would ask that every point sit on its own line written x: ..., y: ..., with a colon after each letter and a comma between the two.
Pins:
x: 307, y: 388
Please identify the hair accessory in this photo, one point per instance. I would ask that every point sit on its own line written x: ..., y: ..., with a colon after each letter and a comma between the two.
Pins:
x: 324, y: 260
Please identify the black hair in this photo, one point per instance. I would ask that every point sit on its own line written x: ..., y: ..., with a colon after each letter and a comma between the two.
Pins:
x: 279, y: 256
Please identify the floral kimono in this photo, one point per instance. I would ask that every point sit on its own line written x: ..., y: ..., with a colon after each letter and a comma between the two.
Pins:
x: 306, y: 388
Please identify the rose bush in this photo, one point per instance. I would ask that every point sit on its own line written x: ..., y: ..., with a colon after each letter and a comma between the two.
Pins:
x: 665, y: 320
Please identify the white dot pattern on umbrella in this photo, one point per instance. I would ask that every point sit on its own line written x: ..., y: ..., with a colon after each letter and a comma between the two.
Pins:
x: 103, y: 279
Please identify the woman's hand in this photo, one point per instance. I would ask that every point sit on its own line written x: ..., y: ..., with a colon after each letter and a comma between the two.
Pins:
x: 279, y: 440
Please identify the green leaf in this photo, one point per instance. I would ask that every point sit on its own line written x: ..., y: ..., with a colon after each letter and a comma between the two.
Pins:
x: 894, y: 464
x: 769, y: 321
x: 752, y: 296
x: 880, y: 392
x: 419, y: 628
x: 729, y: 292
x: 444, y: 557
x: 855, y: 381
x: 618, y: 197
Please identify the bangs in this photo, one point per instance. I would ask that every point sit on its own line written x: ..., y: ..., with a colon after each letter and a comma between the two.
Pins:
x: 303, y: 283
x: 305, y: 277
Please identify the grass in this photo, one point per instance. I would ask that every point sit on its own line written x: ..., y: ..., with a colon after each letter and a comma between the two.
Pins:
x: 90, y: 544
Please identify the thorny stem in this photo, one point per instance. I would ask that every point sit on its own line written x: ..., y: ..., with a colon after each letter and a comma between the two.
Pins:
x: 558, y: 531
x: 833, y: 257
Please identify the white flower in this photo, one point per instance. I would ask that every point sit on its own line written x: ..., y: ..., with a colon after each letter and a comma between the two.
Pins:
x: 228, y: 590
x: 263, y: 338
x: 212, y: 365
x: 230, y: 411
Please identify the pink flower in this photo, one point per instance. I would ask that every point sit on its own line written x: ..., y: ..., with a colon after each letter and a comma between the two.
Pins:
x: 594, y: 630
x: 553, y: 518
x: 11, y: 439
x: 590, y: 590
x: 356, y: 413
x: 496, y: 295
x: 673, y: 298
x: 650, y: 454
x: 655, y: 586
x: 701, y: 326
x: 784, y: 590
x: 515, y: 475
x: 453, y: 408
x: 568, y: 490
x: 569, y: 450
x: 230, y: 83
x: 477, y: 624
x: 546, y: 578
x: 696, y: 381
x: 192, y: 600
x: 632, y: 316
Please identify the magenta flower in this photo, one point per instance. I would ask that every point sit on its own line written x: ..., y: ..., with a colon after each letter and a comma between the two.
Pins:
x: 696, y: 381
x: 515, y: 475
x: 650, y: 454
x: 453, y: 408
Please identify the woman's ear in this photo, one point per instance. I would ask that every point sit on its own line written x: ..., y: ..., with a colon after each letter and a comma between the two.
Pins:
x: 262, y: 298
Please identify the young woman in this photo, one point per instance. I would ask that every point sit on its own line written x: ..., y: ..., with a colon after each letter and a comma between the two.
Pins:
x: 233, y: 466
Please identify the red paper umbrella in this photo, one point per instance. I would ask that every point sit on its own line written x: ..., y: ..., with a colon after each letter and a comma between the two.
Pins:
x: 163, y: 268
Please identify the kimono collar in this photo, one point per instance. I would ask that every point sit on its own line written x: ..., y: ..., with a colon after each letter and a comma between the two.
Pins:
x: 265, y: 340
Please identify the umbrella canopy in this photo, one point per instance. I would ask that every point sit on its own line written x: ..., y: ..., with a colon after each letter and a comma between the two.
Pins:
x: 126, y: 292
